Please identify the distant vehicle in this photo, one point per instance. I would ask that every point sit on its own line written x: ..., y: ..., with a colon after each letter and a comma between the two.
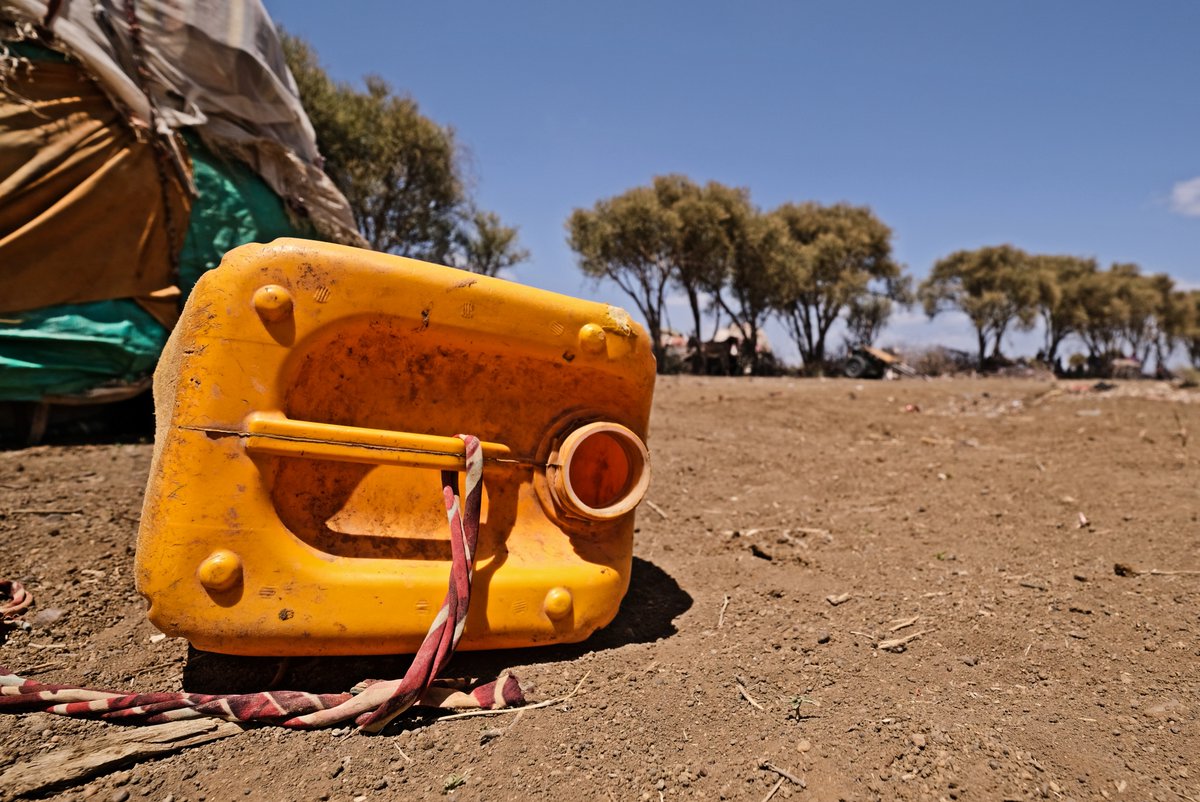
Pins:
x: 866, y: 362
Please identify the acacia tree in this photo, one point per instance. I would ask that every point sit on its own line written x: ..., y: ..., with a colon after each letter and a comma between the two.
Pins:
x: 760, y: 251
x: 630, y: 240
x: 841, y: 259
x: 1171, y: 320
x: 995, y: 287
x: 1103, y: 314
x: 1060, y: 282
x: 401, y: 172
x: 1191, y: 337
x: 486, y: 245
x: 702, y: 247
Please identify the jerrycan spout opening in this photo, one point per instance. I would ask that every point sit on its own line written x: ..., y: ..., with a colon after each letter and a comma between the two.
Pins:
x: 600, y: 472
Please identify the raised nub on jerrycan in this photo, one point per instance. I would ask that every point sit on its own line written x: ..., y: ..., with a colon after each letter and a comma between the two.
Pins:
x: 302, y: 401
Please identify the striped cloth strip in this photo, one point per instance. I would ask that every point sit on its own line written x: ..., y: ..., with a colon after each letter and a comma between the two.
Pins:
x: 372, y: 707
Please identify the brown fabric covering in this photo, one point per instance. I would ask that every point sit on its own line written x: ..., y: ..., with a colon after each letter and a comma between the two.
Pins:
x: 81, y: 205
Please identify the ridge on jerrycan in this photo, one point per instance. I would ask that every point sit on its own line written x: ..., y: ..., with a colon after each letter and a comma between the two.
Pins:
x: 301, y: 402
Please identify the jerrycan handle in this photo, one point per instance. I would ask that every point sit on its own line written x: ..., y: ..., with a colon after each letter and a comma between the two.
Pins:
x: 272, y: 433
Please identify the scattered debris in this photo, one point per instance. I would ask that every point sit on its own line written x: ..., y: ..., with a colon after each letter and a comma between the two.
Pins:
x: 1084, y: 523
x: 840, y: 598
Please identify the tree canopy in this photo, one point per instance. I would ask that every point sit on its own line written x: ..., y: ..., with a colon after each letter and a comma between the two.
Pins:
x: 996, y: 287
x: 841, y: 261
x: 402, y: 173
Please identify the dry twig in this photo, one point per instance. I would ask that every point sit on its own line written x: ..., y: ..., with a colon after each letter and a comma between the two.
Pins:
x: 895, y: 643
x: 741, y: 684
x: 721, y: 617
x: 901, y: 624
x: 1123, y: 569
x: 787, y: 775
x: 774, y: 788
x: 661, y: 512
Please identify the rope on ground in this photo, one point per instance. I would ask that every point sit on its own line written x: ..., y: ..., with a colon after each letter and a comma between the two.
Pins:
x: 374, y: 706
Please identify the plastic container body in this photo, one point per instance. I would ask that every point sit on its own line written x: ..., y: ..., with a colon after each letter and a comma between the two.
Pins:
x: 306, y: 401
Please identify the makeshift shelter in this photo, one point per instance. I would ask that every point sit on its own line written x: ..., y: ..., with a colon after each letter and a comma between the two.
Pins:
x: 139, y: 140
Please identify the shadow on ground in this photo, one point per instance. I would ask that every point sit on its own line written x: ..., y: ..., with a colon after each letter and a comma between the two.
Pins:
x: 647, y: 614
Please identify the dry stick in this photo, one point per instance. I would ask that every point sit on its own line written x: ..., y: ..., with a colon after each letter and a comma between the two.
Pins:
x: 907, y: 622
x: 774, y: 788
x: 721, y: 617
x: 38, y: 511
x: 114, y: 749
x: 741, y: 684
x: 764, y: 764
x: 661, y: 512
x: 488, y: 735
x: 888, y: 645
x: 1121, y: 569
x: 522, y: 709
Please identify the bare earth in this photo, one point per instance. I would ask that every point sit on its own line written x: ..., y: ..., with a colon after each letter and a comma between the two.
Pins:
x: 978, y: 533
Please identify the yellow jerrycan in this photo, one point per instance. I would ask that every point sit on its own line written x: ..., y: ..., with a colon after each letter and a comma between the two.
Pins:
x: 305, y: 403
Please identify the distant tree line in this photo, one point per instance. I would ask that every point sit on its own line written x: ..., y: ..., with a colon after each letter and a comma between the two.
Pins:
x: 805, y: 263
x: 1112, y: 313
x: 810, y: 265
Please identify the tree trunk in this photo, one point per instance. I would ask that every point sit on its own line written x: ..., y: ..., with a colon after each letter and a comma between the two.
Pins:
x: 698, y: 352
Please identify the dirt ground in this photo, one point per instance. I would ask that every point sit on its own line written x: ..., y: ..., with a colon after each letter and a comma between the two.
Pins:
x: 803, y: 524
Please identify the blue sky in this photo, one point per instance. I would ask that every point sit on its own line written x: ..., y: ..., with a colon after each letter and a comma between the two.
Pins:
x: 1059, y: 127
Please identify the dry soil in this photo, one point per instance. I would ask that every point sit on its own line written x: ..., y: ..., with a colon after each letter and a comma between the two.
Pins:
x: 801, y: 525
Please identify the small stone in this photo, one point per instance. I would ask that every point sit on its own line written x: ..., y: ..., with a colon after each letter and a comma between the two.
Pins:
x: 44, y: 618
x: 381, y: 783
x: 1150, y: 646
x: 119, y: 795
x: 970, y: 660
x: 823, y: 637
x: 803, y: 746
x: 336, y: 770
x: 918, y: 740
x: 661, y: 784
x: 1081, y: 578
